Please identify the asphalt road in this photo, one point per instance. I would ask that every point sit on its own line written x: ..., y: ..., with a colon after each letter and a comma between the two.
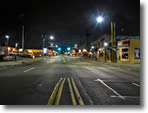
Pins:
x: 97, y: 83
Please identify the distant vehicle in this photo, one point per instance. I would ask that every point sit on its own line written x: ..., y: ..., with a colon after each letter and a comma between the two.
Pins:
x: 66, y: 53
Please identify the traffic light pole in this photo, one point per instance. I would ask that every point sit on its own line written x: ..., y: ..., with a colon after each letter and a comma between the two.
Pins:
x: 43, y: 45
x: 112, y: 41
x: 23, y: 37
x: 115, y: 42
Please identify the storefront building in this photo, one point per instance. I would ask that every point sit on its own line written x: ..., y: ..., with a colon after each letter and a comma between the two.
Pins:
x: 128, y: 49
x: 99, y: 44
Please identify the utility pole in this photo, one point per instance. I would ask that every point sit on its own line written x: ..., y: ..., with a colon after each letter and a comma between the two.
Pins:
x: 87, y: 40
x: 113, y: 40
x: 115, y: 43
x: 23, y: 37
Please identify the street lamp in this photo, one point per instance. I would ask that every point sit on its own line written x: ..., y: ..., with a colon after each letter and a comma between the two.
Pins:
x: 50, y: 42
x: 7, y: 37
x: 99, y: 19
x: 56, y: 46
x: 43, y: 36
x: 76, y: 45
x: 51, y: 37
x: 105, y: 46
x: 92, y: 47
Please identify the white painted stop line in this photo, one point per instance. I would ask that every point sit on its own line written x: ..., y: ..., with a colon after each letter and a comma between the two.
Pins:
x: 136, y: 84
x: 120, y: 96
x: 29, y: 69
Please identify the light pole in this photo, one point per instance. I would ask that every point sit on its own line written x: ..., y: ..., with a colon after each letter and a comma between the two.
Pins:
x: 7, y: 37
x: 92, y: 51
x: 113, y: 37
x: 23, y: 37
x: 51, y: 38
x: 43, y: 36
x: 105, y: 46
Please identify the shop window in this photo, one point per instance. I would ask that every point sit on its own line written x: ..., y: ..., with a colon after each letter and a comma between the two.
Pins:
x: 101, y: 54
x: 137, y: 53
x: 125, y: 53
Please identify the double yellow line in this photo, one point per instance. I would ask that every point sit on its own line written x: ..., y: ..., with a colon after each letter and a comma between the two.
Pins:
x: 73, y: 92
x: 64, y: 59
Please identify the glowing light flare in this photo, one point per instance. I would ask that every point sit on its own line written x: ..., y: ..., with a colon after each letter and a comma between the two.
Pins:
x: 99, y: 19
x: 51, y: 37
x: 92, y: 47
x: 7, y: 36
x: 59, y: 49
x: 105, y: 44
x: 9, y: 49
x: 20, y: 50
x: 68, y: 49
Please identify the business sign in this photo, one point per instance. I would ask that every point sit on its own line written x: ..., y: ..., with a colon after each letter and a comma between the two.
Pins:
x: 44, y: 50
x: 124, y: 43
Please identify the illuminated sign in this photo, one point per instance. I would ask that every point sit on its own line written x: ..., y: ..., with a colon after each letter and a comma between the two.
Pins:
x: 124, y: 43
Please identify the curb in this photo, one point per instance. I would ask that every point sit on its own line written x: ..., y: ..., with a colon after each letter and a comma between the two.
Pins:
x: 19, y: 63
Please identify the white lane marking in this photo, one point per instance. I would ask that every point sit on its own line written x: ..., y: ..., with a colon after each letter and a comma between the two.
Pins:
x: 120, y: 96
x: 29, y: 69
x: 136, y: 84
x: 114, y: 96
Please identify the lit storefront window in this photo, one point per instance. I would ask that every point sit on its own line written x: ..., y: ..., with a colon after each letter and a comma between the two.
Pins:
x: 137, y: 53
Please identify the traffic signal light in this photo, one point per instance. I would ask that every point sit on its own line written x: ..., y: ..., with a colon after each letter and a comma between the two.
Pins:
x: 59, y: 49
x: 68, y: 49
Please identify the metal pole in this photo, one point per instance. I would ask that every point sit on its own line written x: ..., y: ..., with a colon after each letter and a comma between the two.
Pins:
x: 23, y: 37
x: 112, y: 39
x: 105, y: 55
x: 7, y: 41
x: 115, y: 42
x: 43, y: 45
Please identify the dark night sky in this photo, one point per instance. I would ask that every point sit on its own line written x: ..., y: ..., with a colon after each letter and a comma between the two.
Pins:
x: 67, y: 20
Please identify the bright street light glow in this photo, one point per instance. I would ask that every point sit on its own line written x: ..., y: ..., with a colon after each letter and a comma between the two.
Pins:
x: 56, y: 46
x: 51, y: 37
x: 16, y: 45
x: 92, y: 47
x: 76, y: 45
x: 7, y: 36
x: 99, y: 19
x: 105, y: 44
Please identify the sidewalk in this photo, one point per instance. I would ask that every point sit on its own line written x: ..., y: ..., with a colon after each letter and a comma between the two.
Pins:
x: 126, y: 65
x: 19, y: 62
